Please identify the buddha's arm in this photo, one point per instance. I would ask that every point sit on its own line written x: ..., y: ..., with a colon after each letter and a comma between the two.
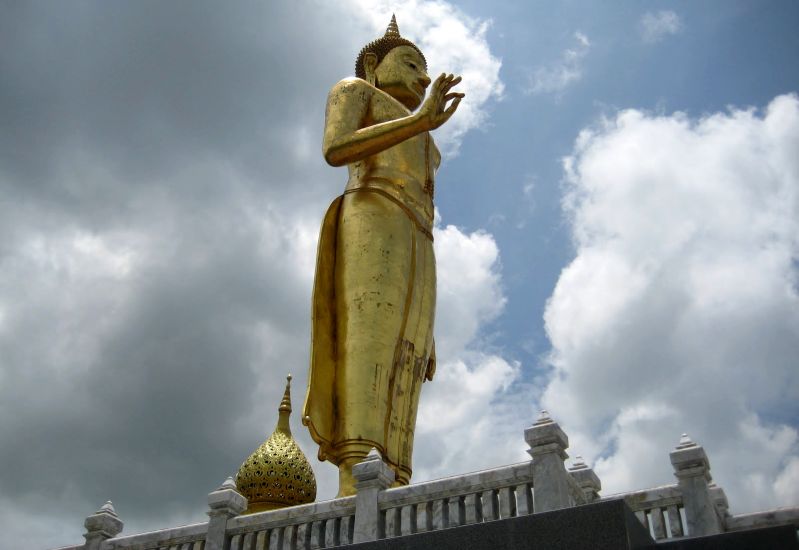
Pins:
x: 345, y: 141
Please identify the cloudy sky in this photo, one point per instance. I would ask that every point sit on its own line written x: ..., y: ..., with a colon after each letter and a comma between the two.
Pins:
x: 618, y: 242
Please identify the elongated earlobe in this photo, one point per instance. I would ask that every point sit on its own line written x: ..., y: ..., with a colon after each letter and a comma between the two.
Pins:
x: 370, y: 66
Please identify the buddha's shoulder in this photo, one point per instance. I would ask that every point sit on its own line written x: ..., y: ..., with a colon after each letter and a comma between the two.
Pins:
x: 352, y: 85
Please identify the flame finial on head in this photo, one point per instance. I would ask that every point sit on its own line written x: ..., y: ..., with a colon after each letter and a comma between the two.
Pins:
x: 393, y: 28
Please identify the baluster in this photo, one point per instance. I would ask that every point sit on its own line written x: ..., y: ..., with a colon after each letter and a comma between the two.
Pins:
x: 440, y: 514
x: 331, y: 533
x: 262, y: 540
x: 524, y: 500
x: 658, y: 524
x: 345, y: 530
x: 317, y: 535
x: 246, y: 541
x: 490, y: 508
x: 393, y: 522
x: 235, y: 542
x: 456, y: 515
x: 507, y: 502
x: 303, y: 536
x: 276, y: 539
x: 675, y: 521
x: 641, y: 515
x: 290, y: 537
x: 408, y: 514
x: 474, y: 508
x: 424, y: 517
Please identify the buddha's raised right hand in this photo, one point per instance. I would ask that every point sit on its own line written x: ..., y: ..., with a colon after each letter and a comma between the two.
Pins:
x: 434, y: 111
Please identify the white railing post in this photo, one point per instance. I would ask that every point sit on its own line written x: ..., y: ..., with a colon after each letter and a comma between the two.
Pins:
x: 224, y: 503
x: 692, y: 470
x: 100, y: 526
x: 548, y: 446
x: 586, y: 478
x: 373, y: 476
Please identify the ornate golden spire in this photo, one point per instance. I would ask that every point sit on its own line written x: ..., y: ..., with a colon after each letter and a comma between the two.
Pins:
x: 393, y: 29
x: 277, y: 474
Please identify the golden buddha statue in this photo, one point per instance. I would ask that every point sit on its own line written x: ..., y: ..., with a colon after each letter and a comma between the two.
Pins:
x: 375, y: 287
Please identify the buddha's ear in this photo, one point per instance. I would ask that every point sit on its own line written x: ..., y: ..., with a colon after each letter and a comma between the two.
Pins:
x: 369, y: 67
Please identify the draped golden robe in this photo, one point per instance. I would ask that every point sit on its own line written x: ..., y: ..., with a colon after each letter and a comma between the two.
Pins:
x: 373, y: 309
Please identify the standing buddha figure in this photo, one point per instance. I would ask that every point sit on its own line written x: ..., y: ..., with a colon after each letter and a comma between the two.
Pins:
x: 375, y: 285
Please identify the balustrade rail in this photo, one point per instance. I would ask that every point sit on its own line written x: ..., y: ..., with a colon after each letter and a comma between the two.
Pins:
x: 187, y: 537
x: 449, y: 502
x: 659, y: 509
x: 306, y: 527
x: 691, y: 507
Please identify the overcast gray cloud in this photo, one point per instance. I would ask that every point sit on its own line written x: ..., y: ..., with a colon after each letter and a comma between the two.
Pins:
x: 161, y: 189
x: 680, y: 311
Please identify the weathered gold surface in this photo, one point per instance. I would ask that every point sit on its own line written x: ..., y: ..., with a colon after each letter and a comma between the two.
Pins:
x: 277, y: 474
x: 375, y: 287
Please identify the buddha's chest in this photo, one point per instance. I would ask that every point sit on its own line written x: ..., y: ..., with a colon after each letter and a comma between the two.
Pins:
x: 384, y: 108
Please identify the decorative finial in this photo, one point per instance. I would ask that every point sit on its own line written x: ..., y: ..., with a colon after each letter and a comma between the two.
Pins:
x: 685, y: 441
x: 108, y: 508
x: 374, y: 454
x: 285, y: 404
x: 228, y: 484
x: 579, y: 462
x: 543, y: 417
x: 393, y: 29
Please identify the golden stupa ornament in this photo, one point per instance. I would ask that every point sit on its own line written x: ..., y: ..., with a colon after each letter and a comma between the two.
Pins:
x: 277, y: 474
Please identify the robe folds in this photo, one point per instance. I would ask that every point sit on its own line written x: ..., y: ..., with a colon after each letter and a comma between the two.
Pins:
x: 373, y: 309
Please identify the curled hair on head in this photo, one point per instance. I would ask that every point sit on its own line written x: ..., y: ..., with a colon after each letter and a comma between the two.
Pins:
x: 382, y: 46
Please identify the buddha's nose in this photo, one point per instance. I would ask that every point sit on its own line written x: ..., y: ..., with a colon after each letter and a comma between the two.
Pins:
x: 424, y: 80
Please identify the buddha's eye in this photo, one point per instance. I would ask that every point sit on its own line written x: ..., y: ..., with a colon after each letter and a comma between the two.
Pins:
x: 412, y: 66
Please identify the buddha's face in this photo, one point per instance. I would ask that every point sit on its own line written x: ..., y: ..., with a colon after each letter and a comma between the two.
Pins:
x: 402, y: 75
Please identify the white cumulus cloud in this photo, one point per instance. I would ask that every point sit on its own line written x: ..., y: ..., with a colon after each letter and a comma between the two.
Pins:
x: 567, y: 70
x: 680, y: 311
x: 469, y: 416
x: 655, y: 26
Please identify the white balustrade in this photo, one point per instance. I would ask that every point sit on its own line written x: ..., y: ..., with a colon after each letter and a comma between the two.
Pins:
x: 691, y: 507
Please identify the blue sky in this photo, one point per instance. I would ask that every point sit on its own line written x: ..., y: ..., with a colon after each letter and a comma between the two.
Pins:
x: 617, y: 243
x: 724, y: 54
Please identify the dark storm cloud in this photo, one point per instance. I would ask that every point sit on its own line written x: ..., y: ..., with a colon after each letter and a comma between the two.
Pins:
x: 161, y: 186
x: 162, y: 137
x: 149, y: 88
x: 152, y: 84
